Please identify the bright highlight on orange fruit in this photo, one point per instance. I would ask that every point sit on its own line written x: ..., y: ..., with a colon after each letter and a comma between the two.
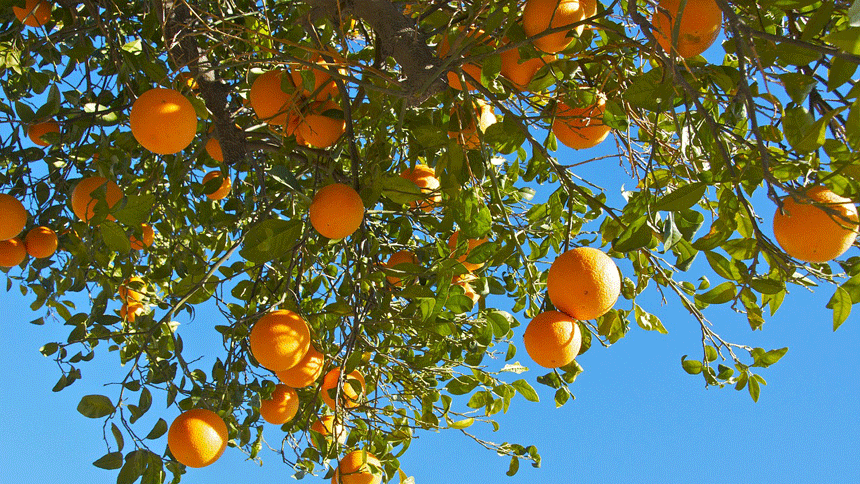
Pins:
x: 197, y: 437
x: 583, y: 283
x: 148, y: 235
x: 353, y: 388
x: 223, y: 190
x: 327, y: 425
x: 452, y: 245
x: 163, y: 121
x: 35, y: 13
x: 552, y: 339
x: 358, y: 467
x: 700, y: 26
x: 282, y: 407
x: 270, y: 102
x: 41, y: 242
x: 580, y: 128
x: 130, y: 312
x: 83, y: 201
x: 36, y: 131
x: 424, y: 178
x: 131, y: 290
x: 463, y: 121
x: 336, y: 211
x: 14, y: 216
x: 12, y: 252
x: 280, y: 339
x: 810, y: 233
x: 399, y: 257
x: 306, y: 371
x: 542, y: 15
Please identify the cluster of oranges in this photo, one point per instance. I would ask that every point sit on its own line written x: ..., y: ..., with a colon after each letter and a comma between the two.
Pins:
x: 40, y: 242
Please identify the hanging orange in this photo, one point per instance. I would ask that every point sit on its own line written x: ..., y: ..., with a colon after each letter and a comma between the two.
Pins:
x: 809, y: 233
x: 542, y: 15
x: 223, y: 190
x: 306, y: 371
x: 12, y: 252
x: 41, y: 242
x: 14, y: 216
x: 35, y: 13
x: 701, y: 22
x: 270, y: 102
x: 336, y: 211
x: 163, y: 121
x: 583, y: 283
x: 36, y: 131
x: 580, y: 128
x: 349, y: 396
x: 282, y: 407
x: 552, y: 339
x: 197, y: 437
x: 83, y: 202
x: 280, y: 339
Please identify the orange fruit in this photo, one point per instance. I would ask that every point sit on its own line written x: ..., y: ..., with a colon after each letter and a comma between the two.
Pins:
x: 425, y: 178
x: 282, y: 407
x: 163, y: 121
x: 469, y: 69
x: 12, y: 252
x: 148, y: 237
x: 358, y: 467
x: 580, y: 128
x: 583, y: 283
x: 326, y: 425
x: 270, y: 102
x: 35, y: 13
x: 306, y: 371
x: 399, y: 257
x: 319, y: 130
x: 336, y: 211
x: 35, y: 131
x: 41, y: 242
x: 467, y: 135
x: 809, y: 233
x: 187, y: 79
x: 131, y: 290
x: 280, y: 339
x: 452, y: 245
x: 324, y: 85
x: 213, y: 147
x: 14, y: 216
x: 700, y: 26
x: 521, y: 72
x: 131, y: 311
x: 468, y: 290
x: 552, y: 339
x: 83, y: 201
x: 197, y: 437
x: 349, y: 397
x: 223, y: 190
x: 542, y: 15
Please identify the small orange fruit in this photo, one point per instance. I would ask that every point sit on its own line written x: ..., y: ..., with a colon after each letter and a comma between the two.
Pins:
x: 552, y: 339
x: 452, y: 245
x: 83, y: 201
x: 327, y: 425
x: 280, y: 339
x: 131, y: 290
x: 282, y: 407
x: 223, y: 190
x: 466, y: 132
x: 306, y: 371
x: 270, y: 102
x: 213, y: 147
x: 809, y: 233
x: 700, y: 26
x: 542, y: 15
x: 324, y: 85
x: 197, y: 437
x: 187, y: 79
x: 358, y: 467
x: 36, y: 131
x: 148, y: 237
x: 521, y: 72
x: 468, y: 290
x: 130, y: 312
x: 12, y: 252
x: 583, y: 283
x: 14, y: 216
x: 476, y: 37
x: 580, y: 128
x: 41, y: 242
x: 35, y: 13
x: 336, y: 211
x: 399, y: 257
x: 425, y: 178
x: 349, y: 396
x: 163, y: 121
x: 321, y: 125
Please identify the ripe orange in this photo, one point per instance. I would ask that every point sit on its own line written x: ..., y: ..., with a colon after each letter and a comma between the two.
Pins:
x: 349, y: 397
x: 552, y: 339
x: 223, y: 190
x: 464, y: 122
x: 282, y: 407
x: 270, y: 102
x: 163, y: 121
x: 148, y: 237
x: 197, y: 437
x: 35, y: 131
x: 326, y: 425
x: 83, y: 202
x: 324, y: 85
x: 358, y: 467
x: 521, y: 72
x: 452, y: 245
x: 583, y: 283
x: 809, y: 233
x: 580, y: 128
x: 280, y: 339
x: 336, y: 211
x: 476, y: 37
x: 213, y: 147
x: 542, y: 15
x: 131, y: 290
x: 399, y: 257
x: 306, y: 371
x: 468, y: 290
x: 41, y: 242
x: 12, y: 252
x: 700, y: 26
x: 130, y: 312
x: 425, y: 178
x: 14, y: 216
x: 35, y: 13
x: 316, y: 126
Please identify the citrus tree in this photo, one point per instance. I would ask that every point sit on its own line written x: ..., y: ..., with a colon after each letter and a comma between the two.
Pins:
x: 350, y: 183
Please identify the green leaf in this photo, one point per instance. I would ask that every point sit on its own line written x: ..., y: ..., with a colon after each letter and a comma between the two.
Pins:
x: 721, y: 294
x: 681, y: 198
x: 114, y: 237
x: 400, y: 190
x: 461, y: 385
x: 429, y: 136
x: 637, y: 235
x: 158, y: 430
x: 847, y: 40
x: 117, y: 435
x: 462, y: 424
x: 797, y: 86
x: 754, y: 389
x: 513, y: 467
x: 526, y: 390
x: 693, y: 367
x: 840, y: 303
x: 137, y: 209
x: 648, y: 321
x: 652, y: 91
x: 710, y: 353
x: 95, y: 406
x: 270, y: 239
x: 109, y: 461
